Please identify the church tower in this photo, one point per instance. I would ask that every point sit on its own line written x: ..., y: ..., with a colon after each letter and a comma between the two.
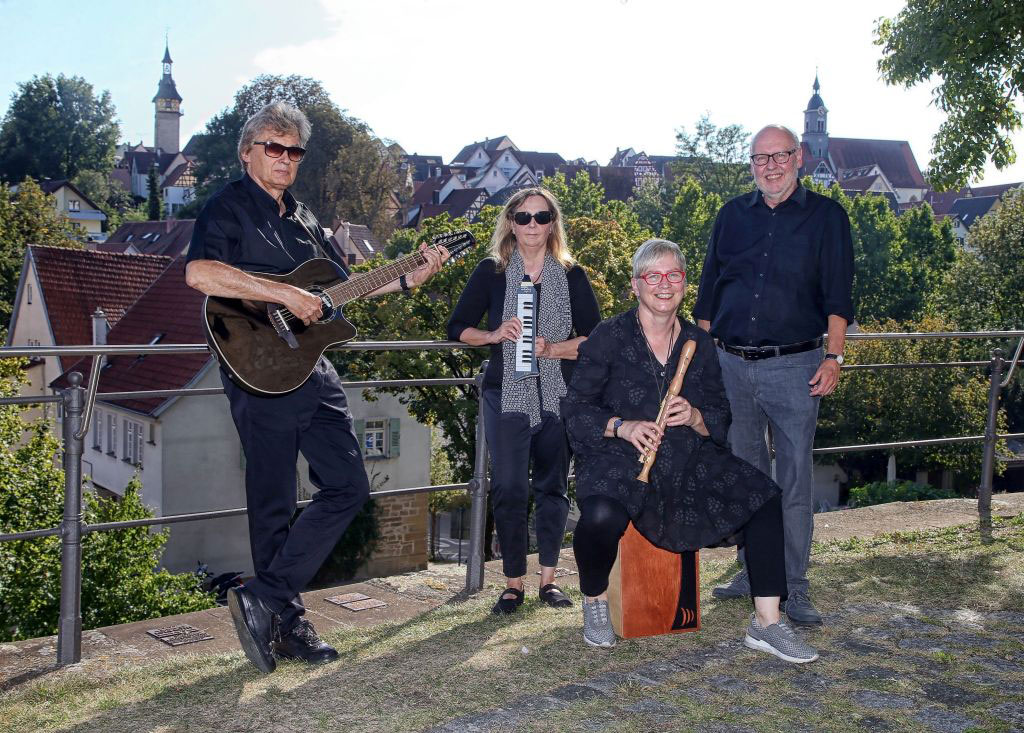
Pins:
x: 167, y: 103
x: 816, y: 124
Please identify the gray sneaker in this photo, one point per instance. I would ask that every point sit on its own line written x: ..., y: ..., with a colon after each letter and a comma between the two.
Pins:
x: 800, y: 610
x: 597, y: 625
x: 738, y: 587
x: 779, y: 639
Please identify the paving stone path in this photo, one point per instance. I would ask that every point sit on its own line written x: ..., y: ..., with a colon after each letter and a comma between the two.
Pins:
x: 895, y: 667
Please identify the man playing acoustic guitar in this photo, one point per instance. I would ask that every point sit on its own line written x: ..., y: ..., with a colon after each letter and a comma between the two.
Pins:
x: 255, y: 225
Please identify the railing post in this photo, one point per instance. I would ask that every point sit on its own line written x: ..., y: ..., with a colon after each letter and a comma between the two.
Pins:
x: 478, y: 487
x: 988, y: 456
x: 69, y: 629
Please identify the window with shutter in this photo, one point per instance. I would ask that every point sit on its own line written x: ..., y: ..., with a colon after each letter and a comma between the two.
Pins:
x: 394, y: 436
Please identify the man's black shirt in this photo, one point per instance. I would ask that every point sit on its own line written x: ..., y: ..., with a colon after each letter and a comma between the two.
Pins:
x: 241, y: 225
x: 773, y: 276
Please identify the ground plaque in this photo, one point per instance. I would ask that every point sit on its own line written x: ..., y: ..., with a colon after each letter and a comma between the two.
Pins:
x: 180, y: 634
x: 355, y: 601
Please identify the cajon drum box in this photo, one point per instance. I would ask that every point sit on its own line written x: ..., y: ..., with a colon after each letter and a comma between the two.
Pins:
x: 652, y: 591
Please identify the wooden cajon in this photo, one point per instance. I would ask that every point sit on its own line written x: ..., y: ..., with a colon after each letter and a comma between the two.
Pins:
x: 653, y: 591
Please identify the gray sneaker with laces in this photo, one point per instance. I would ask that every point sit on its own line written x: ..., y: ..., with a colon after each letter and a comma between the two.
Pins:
x: 597, y: 624
x: 800, y: 610
x: 738, y: 587
x: 779, y: 639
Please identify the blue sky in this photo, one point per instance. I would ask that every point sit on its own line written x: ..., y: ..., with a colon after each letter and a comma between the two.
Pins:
x: 578, y: 77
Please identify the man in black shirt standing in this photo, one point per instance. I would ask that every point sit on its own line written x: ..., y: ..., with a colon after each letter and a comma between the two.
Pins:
x: 255, y: 225
x: 779, y: 274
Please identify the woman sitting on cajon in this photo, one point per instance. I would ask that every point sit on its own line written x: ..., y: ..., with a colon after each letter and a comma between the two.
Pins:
x: 699, y: 493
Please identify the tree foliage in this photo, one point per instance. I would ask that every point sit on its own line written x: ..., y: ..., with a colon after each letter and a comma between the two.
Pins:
x: 976, y: 49
x: 111, y: 197
x: 26, y: 217
x: 120, y: 582
x: 154, y: 201
x: 881, y: 406
x: 689, y: 224
x: 716, y: 157
x: 344, y: 172
x: 56, y: 127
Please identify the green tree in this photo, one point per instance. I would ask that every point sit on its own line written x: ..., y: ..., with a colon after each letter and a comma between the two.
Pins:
x: 976, y: 50
x: 651, y: 203
x: 893, y: 405
x: 716, y: 157
x: 316, y: 186
x: 56, y: 127
x: 111, y: 197
x: 982, y: 289
x: 26, y: 217
x: 366, y: 175
x: 578, y: 197
x: 689, y: 224
x: 154, y: 201
x: 120, y: 582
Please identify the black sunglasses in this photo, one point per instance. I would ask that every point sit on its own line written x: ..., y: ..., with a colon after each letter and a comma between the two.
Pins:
x: 522, y: 218
x: 276, y: 150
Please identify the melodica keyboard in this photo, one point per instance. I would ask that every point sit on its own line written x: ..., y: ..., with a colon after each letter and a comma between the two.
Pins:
x: 526, y: 346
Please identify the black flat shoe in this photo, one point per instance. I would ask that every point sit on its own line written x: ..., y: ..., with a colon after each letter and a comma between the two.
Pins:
x: 254, y: 624
x: 505, y: 606
x: 552, y: 595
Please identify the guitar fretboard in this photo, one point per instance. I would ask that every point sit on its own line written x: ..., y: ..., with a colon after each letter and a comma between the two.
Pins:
x: 367, y: 282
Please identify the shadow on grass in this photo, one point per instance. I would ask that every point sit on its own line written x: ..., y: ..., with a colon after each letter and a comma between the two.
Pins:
x: 459, y: 660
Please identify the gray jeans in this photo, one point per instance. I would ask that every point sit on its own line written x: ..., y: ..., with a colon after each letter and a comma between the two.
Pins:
x: 776, y: 392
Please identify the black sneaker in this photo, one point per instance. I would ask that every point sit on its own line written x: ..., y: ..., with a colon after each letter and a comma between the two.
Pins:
x: 255, y: 625
x: 302, y: 642
x: 800, y: 610
x: 737, y: 587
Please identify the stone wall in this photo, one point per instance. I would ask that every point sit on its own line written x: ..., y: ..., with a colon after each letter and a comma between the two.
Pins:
x: 402, y: 546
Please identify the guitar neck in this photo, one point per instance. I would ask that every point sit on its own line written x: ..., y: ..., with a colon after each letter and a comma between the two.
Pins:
x: 367, y: 282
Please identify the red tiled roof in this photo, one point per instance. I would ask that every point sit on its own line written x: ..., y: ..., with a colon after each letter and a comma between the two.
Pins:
x: 169, y: 311
x: 75, y: 282
x: 424, y: 193
x: 894, y: 157
x: 460, y: 200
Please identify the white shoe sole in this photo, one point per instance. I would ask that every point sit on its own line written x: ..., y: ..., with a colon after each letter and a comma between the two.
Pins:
x: 596, y: 645
x: 752, y: 643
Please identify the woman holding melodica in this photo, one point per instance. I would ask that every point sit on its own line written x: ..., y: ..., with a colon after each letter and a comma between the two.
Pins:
x: 522, y: 415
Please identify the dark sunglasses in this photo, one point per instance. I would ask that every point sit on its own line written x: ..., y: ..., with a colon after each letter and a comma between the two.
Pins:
x: 276, y: 150
x: 522, y: 218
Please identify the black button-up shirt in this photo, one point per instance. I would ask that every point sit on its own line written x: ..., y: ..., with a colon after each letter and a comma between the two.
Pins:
x: 773, y: 276
x: 241, y: 225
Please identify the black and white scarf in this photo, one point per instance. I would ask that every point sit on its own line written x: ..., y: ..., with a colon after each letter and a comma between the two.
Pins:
x: 554, y: 324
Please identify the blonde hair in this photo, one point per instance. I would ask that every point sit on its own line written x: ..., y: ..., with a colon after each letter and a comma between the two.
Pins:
x: 503, y: 241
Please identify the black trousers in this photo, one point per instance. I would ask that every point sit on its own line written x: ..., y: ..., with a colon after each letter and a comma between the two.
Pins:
x: 512, y: 444
x: 603, y: 521
x: 313, y: 419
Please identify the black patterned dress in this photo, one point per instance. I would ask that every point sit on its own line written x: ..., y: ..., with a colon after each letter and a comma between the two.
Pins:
x: 699, y: 492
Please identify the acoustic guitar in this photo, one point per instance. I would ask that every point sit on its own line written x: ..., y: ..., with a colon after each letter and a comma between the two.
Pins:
x: 267, y: 350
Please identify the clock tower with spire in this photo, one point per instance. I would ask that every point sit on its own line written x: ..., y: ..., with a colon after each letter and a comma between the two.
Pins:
x: 167, y: 104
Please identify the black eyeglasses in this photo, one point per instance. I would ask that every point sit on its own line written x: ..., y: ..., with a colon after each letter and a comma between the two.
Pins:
x: 276, y: 150
x: 781, y: 157
x: 522, y: 218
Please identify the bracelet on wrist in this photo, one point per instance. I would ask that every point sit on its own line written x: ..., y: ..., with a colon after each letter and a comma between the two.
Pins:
x: 404, y: 284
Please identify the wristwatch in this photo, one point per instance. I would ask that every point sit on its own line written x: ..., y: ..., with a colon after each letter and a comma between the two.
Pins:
x: 615, y: 426
x: 838, y: 357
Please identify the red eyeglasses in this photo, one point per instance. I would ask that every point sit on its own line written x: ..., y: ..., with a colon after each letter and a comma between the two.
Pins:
x: 654, y: 278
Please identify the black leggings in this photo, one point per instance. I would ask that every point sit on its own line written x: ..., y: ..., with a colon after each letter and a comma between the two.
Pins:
x: 603, y: 521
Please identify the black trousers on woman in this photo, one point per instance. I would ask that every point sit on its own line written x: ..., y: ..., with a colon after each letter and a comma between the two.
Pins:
x: 603, y: 521
x: 512, y: 444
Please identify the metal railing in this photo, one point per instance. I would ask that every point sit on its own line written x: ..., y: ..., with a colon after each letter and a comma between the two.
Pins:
x: 77, y: 403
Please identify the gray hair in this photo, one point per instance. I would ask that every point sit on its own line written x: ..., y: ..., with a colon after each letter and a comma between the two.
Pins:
x: 279, y: 118
x: 781, y: 128
x: 651, y: 250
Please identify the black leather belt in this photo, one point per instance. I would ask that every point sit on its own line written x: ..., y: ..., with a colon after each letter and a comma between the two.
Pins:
x: 753, y: 353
